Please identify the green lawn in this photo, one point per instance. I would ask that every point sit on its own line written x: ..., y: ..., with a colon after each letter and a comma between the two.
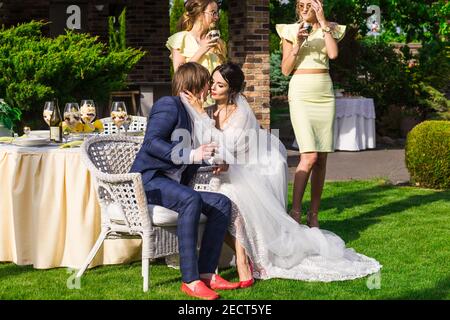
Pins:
x: 406, y: 229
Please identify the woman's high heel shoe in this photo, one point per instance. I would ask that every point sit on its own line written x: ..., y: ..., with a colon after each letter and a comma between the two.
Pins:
x: 309, y: 216
x: 296, y: 215
x: 250, y: 282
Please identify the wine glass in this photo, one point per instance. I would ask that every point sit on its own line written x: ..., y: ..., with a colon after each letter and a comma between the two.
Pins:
x: 88, y: 112
x: 72, y: 115
x: 308, y: 27
x: 214, y: 34
x: 118, y: 113
x: 49, y: 106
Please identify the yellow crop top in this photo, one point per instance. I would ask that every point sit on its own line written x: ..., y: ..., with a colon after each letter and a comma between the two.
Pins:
x: 188, y: 46
x: 314, y: 55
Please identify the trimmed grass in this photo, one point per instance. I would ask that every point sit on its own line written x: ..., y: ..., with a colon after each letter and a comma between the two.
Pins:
x: 406, y: 229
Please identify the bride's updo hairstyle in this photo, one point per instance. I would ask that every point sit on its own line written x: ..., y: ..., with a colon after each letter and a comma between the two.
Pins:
x: 234, y: 76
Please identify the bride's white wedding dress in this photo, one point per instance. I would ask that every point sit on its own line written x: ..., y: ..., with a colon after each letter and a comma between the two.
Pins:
x: 277, y: 245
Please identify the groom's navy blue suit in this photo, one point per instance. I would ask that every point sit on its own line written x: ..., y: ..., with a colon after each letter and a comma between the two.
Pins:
x: 154, y: 162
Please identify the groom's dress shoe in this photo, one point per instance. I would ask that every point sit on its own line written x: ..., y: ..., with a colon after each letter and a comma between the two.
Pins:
x: 219, y: 283
x: 200, y: 291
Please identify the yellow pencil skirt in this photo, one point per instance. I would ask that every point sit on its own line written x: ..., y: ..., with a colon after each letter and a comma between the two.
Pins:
x: 312, y: 110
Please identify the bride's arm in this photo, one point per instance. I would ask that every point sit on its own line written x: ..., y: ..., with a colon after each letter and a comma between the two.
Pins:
x: 196, y: 102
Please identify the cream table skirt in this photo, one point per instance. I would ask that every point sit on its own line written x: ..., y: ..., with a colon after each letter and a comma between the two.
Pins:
x: 49, y: 213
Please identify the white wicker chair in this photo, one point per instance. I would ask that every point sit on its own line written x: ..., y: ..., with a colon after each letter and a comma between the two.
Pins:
x: 124, y: 208
x: 138, y: 124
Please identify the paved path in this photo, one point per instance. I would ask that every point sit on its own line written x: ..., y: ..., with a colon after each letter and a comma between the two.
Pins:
x: 368, y: 164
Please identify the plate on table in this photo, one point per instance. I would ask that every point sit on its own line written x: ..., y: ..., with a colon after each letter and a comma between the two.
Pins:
x: 31, y: 142
x: 39, y: 134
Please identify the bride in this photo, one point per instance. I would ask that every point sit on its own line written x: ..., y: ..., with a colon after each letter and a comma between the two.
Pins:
x: 267, y: 241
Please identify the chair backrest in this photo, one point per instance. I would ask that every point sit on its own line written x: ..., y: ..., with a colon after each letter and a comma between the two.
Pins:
x: 138, y: 124
x: 112, y: 153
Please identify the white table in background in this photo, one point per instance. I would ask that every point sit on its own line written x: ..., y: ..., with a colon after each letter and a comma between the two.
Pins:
x: 354, y: 127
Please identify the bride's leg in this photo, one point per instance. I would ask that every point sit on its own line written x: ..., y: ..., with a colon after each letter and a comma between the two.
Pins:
x: 302, y: 173
x: 317, y: 183
x: 242, y: 264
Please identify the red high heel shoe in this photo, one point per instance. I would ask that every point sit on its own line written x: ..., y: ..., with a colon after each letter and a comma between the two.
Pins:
x: 250, y: 282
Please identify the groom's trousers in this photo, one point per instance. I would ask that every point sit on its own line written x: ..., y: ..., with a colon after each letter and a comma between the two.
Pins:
x: 189, y: 204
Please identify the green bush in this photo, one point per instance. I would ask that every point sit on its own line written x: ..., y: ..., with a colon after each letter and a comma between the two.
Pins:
x: 427, y: 154
x: 279, y: 83
x: 9, y: 115
x: 70, y: 67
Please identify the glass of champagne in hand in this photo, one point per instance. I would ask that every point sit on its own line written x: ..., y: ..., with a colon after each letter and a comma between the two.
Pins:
x: 308, y: 28
x: 88, y: 112
x: 119, y: 114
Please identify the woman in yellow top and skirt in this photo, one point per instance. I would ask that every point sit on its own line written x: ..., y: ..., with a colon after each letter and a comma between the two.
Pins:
x: 199, y: 40
x: 307, y: 47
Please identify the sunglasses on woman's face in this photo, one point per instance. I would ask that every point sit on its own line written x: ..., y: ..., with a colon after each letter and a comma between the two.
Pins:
x: 302, y: 6
x: 212, y: 13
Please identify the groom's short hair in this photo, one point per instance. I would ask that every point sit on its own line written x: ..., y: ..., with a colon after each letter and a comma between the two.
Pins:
x: 190, y: 76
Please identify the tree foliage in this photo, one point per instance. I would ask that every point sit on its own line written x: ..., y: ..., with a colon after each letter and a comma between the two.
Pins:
x: 70, y: 67
x: 176, y: 12
x: 117, y: 35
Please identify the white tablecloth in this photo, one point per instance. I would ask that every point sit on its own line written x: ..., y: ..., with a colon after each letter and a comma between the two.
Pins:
x: 354, y: 127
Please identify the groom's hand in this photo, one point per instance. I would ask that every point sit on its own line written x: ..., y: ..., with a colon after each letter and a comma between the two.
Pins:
x: 204, y: 152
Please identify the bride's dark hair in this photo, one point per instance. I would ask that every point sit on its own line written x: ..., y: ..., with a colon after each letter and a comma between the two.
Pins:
x: 234, y: 76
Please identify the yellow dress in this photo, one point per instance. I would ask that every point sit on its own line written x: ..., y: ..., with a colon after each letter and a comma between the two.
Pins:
x: 311, y: 96
x: 188, y: 46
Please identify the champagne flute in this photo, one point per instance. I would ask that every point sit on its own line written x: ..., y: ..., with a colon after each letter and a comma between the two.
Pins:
x: 88, y: 112
x: 118, y: 113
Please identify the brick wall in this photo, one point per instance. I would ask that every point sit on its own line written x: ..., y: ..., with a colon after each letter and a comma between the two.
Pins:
x: 147, y: 28
x: 249, y: 46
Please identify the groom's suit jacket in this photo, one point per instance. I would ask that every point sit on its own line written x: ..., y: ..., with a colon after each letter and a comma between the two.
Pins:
x: 167, y: 115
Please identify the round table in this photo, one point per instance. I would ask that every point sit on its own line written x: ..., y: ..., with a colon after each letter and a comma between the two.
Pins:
x: 49, y: 213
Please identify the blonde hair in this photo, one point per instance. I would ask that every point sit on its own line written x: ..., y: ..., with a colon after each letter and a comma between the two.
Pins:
x: 190, y: 76
x: 193, y: 10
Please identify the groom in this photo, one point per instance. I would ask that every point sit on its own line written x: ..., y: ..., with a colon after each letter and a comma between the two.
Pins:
x: 166, y: 173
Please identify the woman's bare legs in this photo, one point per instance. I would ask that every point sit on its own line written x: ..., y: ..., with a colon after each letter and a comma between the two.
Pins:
x: 302, y: 173
x: 317, y: 182
x: 242, y: 264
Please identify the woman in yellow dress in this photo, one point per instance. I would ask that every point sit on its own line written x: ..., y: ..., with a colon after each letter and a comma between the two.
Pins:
x: 194, y: 43
x: 307, y: 47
